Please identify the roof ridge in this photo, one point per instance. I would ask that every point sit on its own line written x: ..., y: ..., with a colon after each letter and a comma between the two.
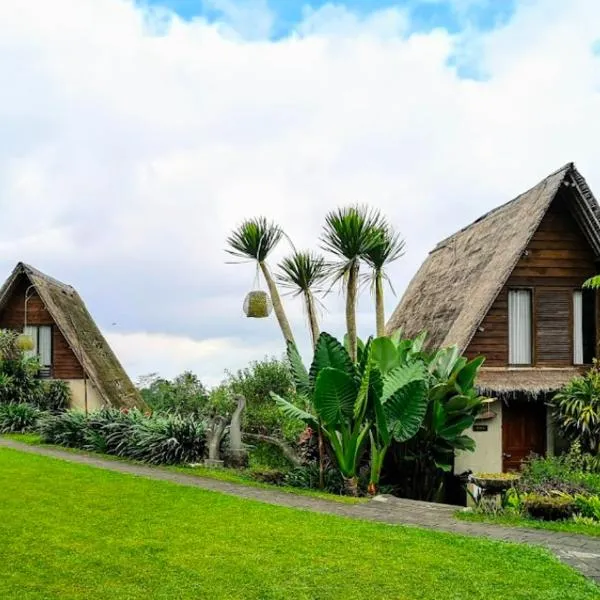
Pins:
x: 441, y: 244
x: 30, y: 269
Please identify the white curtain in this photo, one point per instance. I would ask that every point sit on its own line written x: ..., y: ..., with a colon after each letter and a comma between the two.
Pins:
x: 45, y: 345
x: 31, y: 331
x: 577, y: 328
x: 519, y: 327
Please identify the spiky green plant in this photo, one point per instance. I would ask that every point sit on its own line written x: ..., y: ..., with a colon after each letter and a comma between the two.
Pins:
x: 349, y: 233
x: 304, y: 274
x: 254, y: 240
x: 388, y: 247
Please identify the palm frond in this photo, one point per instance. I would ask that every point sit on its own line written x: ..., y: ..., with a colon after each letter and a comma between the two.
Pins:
x: 302, y: 272
x: 254, y: 239
x: 351, y: 231
x: 387, y: 247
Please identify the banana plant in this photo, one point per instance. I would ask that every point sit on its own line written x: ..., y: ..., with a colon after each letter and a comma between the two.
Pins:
x: 374, y: 398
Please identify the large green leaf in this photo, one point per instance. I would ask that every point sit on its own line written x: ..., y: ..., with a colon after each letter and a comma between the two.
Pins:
x: 406, y: 410
x: 401, y: 376
x: 299, y: 372
x: 362, y: 398
x: 360, y: 347
x: 385, y: 354
x: 462, y: 403
x: 293, y: 412
x: 329, y: 353
x: 464, y: 442
x: 455, y: 427
x: 466, y: 376
x: 419, y: 342
x: 335, y: 396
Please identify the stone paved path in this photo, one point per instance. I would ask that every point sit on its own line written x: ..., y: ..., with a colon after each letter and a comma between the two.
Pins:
x: 579, y: 551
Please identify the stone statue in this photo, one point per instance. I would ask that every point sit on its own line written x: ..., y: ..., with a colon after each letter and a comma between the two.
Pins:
x: 215, y: 432
x: 236, y: 448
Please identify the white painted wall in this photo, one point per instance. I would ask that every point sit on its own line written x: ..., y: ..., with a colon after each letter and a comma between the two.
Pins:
x: 78, y: 391
x: 487, y: 457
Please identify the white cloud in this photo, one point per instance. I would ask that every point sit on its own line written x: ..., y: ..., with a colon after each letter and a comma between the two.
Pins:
x: 129, y: 147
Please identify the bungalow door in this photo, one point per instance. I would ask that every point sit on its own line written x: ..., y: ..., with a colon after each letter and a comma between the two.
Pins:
x: 523, y: 432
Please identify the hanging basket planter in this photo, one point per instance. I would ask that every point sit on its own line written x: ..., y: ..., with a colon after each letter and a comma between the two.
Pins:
x: 257, y: 305
x: 24, y: 342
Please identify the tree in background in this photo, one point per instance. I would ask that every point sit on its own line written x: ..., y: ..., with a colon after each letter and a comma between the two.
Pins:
x: 185, y: 395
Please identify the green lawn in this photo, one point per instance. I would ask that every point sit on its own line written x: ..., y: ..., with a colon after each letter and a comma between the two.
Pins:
x: 516, y: 521
x: 73, y: 531
x: 241, y: 476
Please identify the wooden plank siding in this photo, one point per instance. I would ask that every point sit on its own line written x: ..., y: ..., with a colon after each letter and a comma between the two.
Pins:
x: 65, y: 364
x: 557, y: 261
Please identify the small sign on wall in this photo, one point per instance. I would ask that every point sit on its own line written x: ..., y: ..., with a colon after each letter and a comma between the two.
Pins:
x: 478, y: 427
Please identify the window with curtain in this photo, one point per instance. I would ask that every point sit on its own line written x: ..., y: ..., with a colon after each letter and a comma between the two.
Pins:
x: 42, y: 343
x: 519, y: 327
x: 577, y: 328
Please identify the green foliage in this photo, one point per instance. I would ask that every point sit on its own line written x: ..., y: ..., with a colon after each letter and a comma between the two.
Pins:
x: 255, y: 383
x: 549, y: 508
x: 155, y: 439
x: 185, y: 395
x: 588, y: 506
x: 266, y: 474
x: 55, y: 396
x: 379, y: 397
x: 18, y: 418
x: 577, y: 410
x: 264, y: 454
x: 307, y: 477
x: 254, y: 239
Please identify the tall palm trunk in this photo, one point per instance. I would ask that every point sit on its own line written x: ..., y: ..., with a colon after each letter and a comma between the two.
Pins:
x: 379, y: 308
x: 277, y: 304
x: 314, y: 333
x: 351, y: 296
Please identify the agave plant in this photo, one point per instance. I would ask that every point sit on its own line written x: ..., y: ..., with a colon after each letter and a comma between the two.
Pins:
x: 254, y: 240
x: 350, y: 233
x: 388, y: 247
x: 348, y: 400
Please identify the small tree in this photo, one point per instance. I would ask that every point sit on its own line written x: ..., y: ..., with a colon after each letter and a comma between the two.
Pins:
x: 254, y: 240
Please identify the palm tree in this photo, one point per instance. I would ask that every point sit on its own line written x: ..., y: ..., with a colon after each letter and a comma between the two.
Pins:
x: 349, y: 233
x: 304, y: 273
x: 254, y: 239
x: 388, y: 248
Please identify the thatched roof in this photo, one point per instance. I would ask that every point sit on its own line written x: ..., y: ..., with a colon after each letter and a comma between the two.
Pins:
x: 507, y: 382
x: 457, y: 284
x: 80, y: 331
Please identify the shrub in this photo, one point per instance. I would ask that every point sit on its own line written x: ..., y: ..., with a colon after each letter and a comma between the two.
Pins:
x: 168, y: 440
x: 64, y: 429
x: 550, y: 508
x: 577, y: 410
x: 185, y: 395
x: 268, y: 475
x: 307, y: 477
x: 588, y: 506
x: 18, y: 418
x: 54, y: 396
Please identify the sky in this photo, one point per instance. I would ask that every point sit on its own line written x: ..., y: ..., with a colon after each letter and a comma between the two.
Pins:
x: 134, y: 136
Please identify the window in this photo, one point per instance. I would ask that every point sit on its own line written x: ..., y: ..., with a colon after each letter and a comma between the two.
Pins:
x: 584, y: 326
x: 577, y: 328
x: 42, y: 343
x: 519, y: 327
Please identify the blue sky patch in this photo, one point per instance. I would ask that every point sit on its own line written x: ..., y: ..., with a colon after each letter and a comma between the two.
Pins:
x: 425, y: 14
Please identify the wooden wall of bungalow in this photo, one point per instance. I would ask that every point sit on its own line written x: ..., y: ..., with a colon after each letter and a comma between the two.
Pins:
x: 65, y: 364
x: 557, y: 262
